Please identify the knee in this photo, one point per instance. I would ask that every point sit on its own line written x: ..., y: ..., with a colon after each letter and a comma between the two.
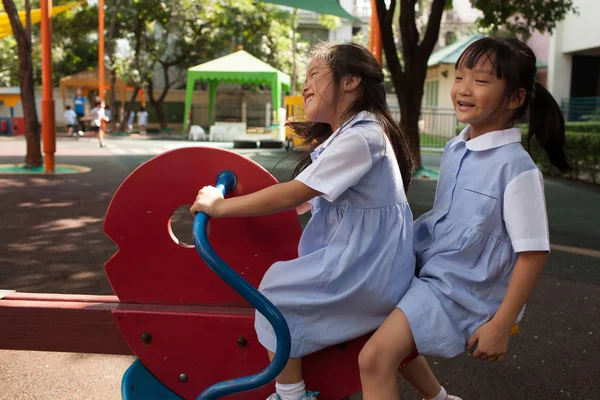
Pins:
x: 373, y: 360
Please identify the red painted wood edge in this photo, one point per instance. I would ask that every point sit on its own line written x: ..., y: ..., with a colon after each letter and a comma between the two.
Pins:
x: 59, y: 325
x: 75, y: 323
x: 62, y: 297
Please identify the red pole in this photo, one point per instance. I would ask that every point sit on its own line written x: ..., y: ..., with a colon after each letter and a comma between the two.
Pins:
x: 48, y: 123
x: 375, y: 35
x: 101, y: 49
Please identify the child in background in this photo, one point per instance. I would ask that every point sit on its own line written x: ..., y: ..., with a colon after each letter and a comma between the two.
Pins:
x: 142, y: 116
x: 70, y: 119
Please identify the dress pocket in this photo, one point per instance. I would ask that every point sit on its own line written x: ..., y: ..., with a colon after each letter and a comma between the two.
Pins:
x: 475, y: 205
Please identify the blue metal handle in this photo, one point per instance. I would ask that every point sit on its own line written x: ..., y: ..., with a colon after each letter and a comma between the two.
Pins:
x: 226, y: 182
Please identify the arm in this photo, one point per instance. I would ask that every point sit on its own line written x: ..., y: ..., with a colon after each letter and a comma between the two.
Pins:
x: 524, y: 277
x: 527, y: 226
x: 492, y: 337
x: 271, y: 200
x: 303, y: 208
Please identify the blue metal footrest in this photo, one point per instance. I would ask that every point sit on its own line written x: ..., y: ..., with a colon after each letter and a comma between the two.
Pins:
x: 139, y: 384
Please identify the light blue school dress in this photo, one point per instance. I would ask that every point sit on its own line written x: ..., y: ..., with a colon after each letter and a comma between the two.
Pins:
x: 489, y: 206
x: 356, y: 258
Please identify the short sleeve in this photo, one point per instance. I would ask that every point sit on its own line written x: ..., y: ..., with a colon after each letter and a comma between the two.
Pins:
x: 339, y: 167
x: 525, y: 212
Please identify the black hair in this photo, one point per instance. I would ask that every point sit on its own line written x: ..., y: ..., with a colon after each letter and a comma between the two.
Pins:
x: 515, y: 62
x: 68, y: 107
x: 354, y: 59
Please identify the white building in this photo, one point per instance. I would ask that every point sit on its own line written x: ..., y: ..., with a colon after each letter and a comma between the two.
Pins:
x: 311, y: 31
x: 574, y: 60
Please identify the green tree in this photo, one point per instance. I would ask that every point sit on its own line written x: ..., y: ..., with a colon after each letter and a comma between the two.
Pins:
x: 20, y: 57
x: 33, y: 156
x: 408, y: 75
x: 74, y: 41
x: 182, y: 33
x: 9, y: 60
x: 74, y: 44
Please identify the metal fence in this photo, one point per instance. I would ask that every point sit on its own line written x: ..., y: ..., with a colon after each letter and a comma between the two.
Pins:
x: 581, y: 108
x: 436, y: 125
x: 256, y: 114
x: 173, y: 111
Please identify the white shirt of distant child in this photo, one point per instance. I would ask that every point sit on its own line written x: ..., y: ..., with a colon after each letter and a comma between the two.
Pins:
x: 70, y: 117
x: 142, y: 117
x: 98, y: 114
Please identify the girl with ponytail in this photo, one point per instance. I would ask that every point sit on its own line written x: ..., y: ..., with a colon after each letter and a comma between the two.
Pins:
x: 482, y: 248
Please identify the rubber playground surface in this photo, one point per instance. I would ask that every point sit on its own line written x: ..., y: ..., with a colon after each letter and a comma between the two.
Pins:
x: 52, y: 241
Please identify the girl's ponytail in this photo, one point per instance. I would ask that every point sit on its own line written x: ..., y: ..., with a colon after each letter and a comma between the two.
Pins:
x: 547, y: 124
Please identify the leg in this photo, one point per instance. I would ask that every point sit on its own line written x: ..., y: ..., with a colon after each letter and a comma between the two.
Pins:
x: 292, y: 373
x: 420, y: 376
x: 379, y: 359
x: 289, y: 385
x: 81, y: 123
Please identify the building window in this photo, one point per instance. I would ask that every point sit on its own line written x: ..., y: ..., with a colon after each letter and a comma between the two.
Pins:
x: 431, y: 93
x: 450, y: 38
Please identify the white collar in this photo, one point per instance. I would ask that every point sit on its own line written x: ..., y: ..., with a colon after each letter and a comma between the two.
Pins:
x: 489, y: 140
x: 361, y: 116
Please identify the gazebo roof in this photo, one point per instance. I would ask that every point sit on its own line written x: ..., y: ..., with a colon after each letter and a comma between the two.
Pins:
x: 87, y: 79
x: 240, y: 67
x: 331, y: 7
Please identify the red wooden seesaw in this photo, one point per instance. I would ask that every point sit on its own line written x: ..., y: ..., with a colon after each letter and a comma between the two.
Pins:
x: 186, y: 326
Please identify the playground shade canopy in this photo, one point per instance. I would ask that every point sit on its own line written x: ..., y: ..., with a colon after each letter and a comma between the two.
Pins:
x: 36, y: 17
x: 238, y: 67
x: 331, y: 7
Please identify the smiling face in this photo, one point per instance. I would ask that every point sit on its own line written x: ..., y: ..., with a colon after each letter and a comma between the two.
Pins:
x: 478, y: 96
x: 319, y: 93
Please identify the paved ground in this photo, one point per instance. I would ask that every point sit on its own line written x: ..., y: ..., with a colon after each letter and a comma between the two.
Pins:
x: 52, y: 241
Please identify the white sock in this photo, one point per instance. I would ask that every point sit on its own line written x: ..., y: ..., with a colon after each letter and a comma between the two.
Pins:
x: 293, y: 391
x: 441, y: 395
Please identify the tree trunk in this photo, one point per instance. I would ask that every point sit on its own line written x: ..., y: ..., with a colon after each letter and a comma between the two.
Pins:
x: 113, y: 74
x: 157, y: 104
x: 410, y: 111
x: 160, y: 113
x: 33, y: 157
x: 28, y: 20
x: 125, y: 116
x: 408, y: 81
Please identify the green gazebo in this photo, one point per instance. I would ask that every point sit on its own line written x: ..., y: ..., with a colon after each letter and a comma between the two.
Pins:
x: 239, y: 67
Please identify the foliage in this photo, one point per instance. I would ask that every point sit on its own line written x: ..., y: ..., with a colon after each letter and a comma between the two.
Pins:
x: 522, y: 17
x: 74, y: 44
x: 408, y: 72
x: 582, y: 149
x: 9, y: 60
x: 330, y: 21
